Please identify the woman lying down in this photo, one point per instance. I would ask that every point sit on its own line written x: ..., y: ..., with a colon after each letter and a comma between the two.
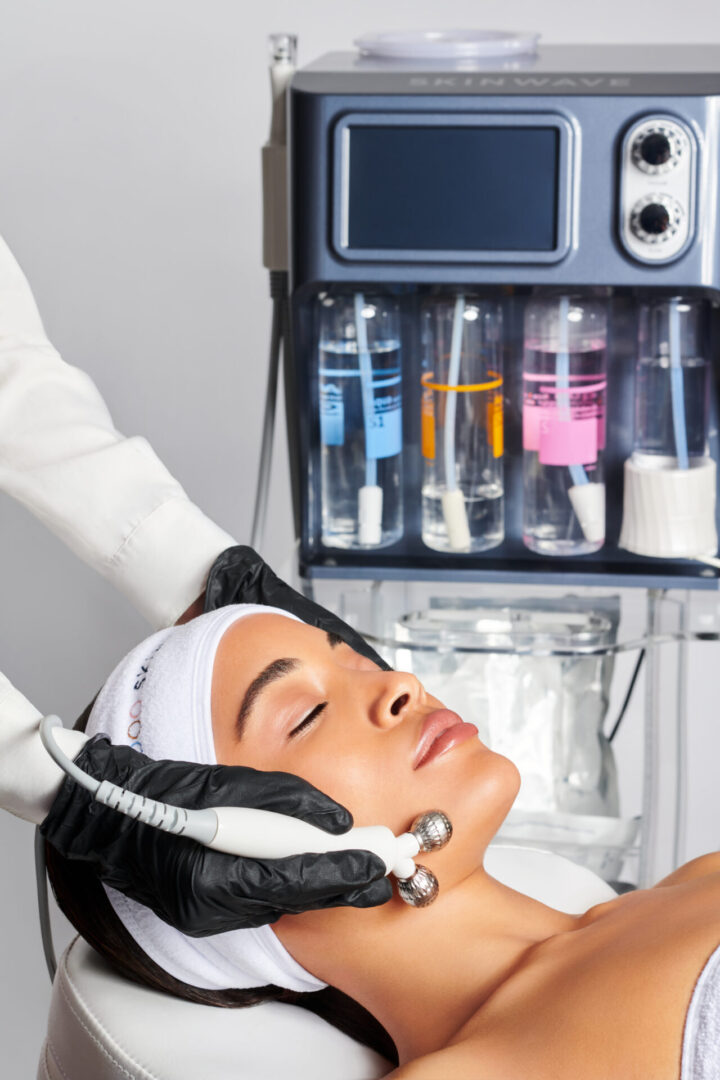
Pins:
x: 486, y: 982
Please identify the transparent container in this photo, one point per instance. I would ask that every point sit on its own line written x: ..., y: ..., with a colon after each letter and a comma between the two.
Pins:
x: 564, y: 403
x: 462, y: 424
x: 672, y: 388
x: 670, y: 479
x: 360, y: 398
x: 534, y: 675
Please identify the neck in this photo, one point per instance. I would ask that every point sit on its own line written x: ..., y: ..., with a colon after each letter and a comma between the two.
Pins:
x: 423, y: 973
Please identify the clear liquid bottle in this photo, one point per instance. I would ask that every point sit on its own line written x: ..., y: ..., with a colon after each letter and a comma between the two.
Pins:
x: 360, y: 392
x: 669, y: 482
x: 564, y: 402
x: 462, y: 424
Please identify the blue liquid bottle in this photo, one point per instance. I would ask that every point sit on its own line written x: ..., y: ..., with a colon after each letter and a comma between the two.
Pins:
x: 360, y: 404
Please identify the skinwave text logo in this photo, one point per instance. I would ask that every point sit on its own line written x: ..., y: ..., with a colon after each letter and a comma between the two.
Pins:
x: 526, y: 82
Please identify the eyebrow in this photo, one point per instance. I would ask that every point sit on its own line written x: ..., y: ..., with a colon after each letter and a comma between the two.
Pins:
x: 270, y: 674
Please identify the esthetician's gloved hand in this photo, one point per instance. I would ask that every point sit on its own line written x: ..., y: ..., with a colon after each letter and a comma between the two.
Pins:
x: 195, y: 889
x: 240, y: 576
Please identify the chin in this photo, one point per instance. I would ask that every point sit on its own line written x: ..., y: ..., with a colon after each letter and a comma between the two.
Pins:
x: 493, y: 790
x: 477, y: 804
x: 511, y: 775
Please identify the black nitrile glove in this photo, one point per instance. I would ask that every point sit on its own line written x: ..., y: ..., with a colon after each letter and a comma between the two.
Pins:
x: 240, y: 576
x: 195, y: 889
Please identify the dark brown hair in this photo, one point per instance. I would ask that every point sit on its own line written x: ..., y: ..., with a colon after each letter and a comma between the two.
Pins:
x: 82, y: 899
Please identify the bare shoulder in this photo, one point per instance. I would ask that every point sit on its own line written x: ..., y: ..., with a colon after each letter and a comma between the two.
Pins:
x: 703, y: 866
x: 460, y: 1062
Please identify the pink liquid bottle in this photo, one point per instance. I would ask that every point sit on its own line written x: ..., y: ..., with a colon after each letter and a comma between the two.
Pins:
x: 564, y: 401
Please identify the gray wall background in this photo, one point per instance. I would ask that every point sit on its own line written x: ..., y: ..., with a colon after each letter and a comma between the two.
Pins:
x: 130, y: 193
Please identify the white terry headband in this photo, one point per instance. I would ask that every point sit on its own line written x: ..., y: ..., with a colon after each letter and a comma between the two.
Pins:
x: 158, y: 700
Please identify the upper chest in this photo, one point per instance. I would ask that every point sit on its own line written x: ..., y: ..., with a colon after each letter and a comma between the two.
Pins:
x: 607, y: 1001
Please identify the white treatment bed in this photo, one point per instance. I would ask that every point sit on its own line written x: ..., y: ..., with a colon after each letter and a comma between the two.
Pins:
x: 103, y: 1027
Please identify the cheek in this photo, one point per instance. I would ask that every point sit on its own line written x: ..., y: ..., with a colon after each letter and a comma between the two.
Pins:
x: 363, y: 779
x: 379, y: 788
x: 368, y: 783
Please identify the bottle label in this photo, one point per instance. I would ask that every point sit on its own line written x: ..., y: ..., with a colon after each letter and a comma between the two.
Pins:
x: 564, y: 425
x: 383, y: 434
x: 332, y: 415
x: 495, y: 432
x: 427, y: 423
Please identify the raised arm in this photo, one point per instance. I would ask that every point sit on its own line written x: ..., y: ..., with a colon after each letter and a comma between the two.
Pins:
x: 109, y: 498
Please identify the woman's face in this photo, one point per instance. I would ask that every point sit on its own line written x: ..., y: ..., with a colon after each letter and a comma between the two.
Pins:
x: 287, y: 697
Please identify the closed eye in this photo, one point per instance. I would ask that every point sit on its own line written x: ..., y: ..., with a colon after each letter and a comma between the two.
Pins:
x: 309, y: 720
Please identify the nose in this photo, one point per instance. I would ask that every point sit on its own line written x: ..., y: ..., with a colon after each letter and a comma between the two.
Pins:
x: 395, y: 695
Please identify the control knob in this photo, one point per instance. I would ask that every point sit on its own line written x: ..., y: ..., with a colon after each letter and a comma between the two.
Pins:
x: 655, y: 218
x: 658, y: 148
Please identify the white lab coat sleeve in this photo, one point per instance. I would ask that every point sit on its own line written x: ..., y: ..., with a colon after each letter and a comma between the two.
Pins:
x: 109, y: 498
x: 29, y: 778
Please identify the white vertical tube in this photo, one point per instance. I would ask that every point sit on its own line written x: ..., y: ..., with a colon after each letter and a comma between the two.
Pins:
x: 453, y: 502
x: 370, y: 496
x: 677, y: 388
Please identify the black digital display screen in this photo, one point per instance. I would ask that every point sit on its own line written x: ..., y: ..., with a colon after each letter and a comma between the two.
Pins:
x: 452, y: 188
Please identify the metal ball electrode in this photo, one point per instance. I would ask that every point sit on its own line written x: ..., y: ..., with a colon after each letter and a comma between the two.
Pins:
x: 431, y: 830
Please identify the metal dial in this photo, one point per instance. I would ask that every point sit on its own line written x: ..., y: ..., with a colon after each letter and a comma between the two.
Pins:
x: 656, y: 218
x: 659, y: 147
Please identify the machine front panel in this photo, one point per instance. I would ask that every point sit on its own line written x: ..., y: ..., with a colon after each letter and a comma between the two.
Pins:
x: 403, y: 203
x: 592, y: 130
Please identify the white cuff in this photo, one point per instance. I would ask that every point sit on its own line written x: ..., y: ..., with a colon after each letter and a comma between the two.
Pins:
x: 29, y: 778
x: 163, y: 564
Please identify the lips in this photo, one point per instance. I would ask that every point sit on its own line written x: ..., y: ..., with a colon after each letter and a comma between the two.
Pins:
x: 441, y: 731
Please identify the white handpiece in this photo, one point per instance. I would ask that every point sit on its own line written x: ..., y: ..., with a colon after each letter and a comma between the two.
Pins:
x: 262, y: 834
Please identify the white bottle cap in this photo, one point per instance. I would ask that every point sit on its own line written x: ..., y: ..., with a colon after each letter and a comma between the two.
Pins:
x: 588, y: 502
x: 456, y: 522
x: 370, y: 507
x: 669, y: 513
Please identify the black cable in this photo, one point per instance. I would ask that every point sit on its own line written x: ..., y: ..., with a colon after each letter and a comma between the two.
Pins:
x: 43, y: 904
x: 628, y: 695
x: 278, y: 292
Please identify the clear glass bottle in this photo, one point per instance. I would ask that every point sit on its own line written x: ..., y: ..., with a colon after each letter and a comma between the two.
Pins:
x: 360, y: 397
x: 669, y: 481
x: 564, y: 401
x: 672, y: 399
x: 462, y: 424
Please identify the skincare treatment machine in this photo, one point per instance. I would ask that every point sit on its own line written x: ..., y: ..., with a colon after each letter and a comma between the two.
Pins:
x: 498, y: 306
